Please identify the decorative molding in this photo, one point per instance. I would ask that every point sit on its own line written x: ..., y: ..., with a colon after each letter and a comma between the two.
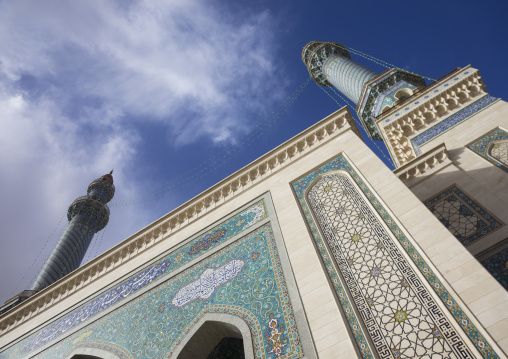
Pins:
x: 330, y: 127
x: 427, y: 108
x: 423, y: 165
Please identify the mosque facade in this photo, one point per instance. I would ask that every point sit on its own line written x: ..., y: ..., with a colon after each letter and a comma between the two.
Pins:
x: 316, y: 249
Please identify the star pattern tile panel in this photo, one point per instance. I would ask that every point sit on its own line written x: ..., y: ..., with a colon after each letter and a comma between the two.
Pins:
x: 386, y: 295
x: 456, y: 327
x: 463, y: 217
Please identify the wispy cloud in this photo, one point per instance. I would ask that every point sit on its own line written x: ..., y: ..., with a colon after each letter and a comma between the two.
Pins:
x: 151, y: 60
x: 78, y: 79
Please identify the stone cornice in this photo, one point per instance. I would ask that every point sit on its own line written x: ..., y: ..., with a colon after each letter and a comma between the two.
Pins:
x: 326, y: 129
x: 426, y: 109
x: 422, y: 166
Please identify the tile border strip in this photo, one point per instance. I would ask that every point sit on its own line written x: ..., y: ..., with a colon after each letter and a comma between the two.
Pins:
x: 451, y: 122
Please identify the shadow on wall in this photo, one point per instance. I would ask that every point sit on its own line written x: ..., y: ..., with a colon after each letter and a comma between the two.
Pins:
x: 487, y: 188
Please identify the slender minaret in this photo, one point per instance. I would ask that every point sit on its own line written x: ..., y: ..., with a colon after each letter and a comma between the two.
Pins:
x: 87, y: 215
x: 330, y: 65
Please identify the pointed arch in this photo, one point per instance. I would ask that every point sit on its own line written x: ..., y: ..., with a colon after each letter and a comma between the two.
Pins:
x: 498, y: 150
x: 404, y: 93
x: 208, y: 332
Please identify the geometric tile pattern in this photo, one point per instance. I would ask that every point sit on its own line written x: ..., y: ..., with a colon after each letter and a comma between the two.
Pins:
x: 463, y: 217
x: 452, y: 121
x: 150, y: 326
x: 390, y: 300
x: 493, y: 146
x: 425, y: 275
x: 162, y: 268
x: 497, y: 265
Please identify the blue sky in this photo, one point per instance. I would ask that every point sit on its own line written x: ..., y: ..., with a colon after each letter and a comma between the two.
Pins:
x: 176, y: 95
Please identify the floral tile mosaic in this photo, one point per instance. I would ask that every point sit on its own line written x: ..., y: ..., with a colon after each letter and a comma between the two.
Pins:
x: 206, y: 241
x: 244, y: 279
x: 493, y: 146
x: 366, y: 338
x: 451, y: 121
x: 463, y: 217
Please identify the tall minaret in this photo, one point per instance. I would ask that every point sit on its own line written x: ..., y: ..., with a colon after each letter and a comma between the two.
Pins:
x: 330, y: 64
x: 87, y: 215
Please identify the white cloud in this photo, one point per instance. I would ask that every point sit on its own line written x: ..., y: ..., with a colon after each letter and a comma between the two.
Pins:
x: 77, y: 79
x: 183, y: 63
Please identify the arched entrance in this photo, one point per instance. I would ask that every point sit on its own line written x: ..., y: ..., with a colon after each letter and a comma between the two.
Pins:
x: 216, y: 336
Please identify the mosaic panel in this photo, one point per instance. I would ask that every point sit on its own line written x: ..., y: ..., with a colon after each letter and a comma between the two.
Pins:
x: 497, y: 265
x: 151, y: 326
x: 208, y: 240
x: 387, y: 97
x: 389, y: 299
x: 451, y: 121
x: 415, y: 281
x: 493, y: 146
x: 463, y: 217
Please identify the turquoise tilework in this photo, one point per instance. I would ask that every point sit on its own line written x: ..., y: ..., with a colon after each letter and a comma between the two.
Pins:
x: 481, y: 146
x: 341, y: 163
x: 451, y: 121
x: 150, y: 326
x: 204, y: 242
x: 462, y: 213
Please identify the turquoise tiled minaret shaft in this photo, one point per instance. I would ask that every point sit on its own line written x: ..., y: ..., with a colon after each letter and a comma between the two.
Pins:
x: 330, y: 64
x: 347, y: 76
x: 87, y: 215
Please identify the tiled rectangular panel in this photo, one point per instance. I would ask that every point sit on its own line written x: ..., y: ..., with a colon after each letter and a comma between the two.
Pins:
x: 463, y: 217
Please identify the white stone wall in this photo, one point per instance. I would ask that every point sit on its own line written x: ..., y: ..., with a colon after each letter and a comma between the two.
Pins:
x: 483, y: 299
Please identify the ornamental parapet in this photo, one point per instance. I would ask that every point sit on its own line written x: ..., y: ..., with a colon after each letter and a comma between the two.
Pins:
x: 427, y: 108
x: 423, y: 166
x: 332, y: 126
